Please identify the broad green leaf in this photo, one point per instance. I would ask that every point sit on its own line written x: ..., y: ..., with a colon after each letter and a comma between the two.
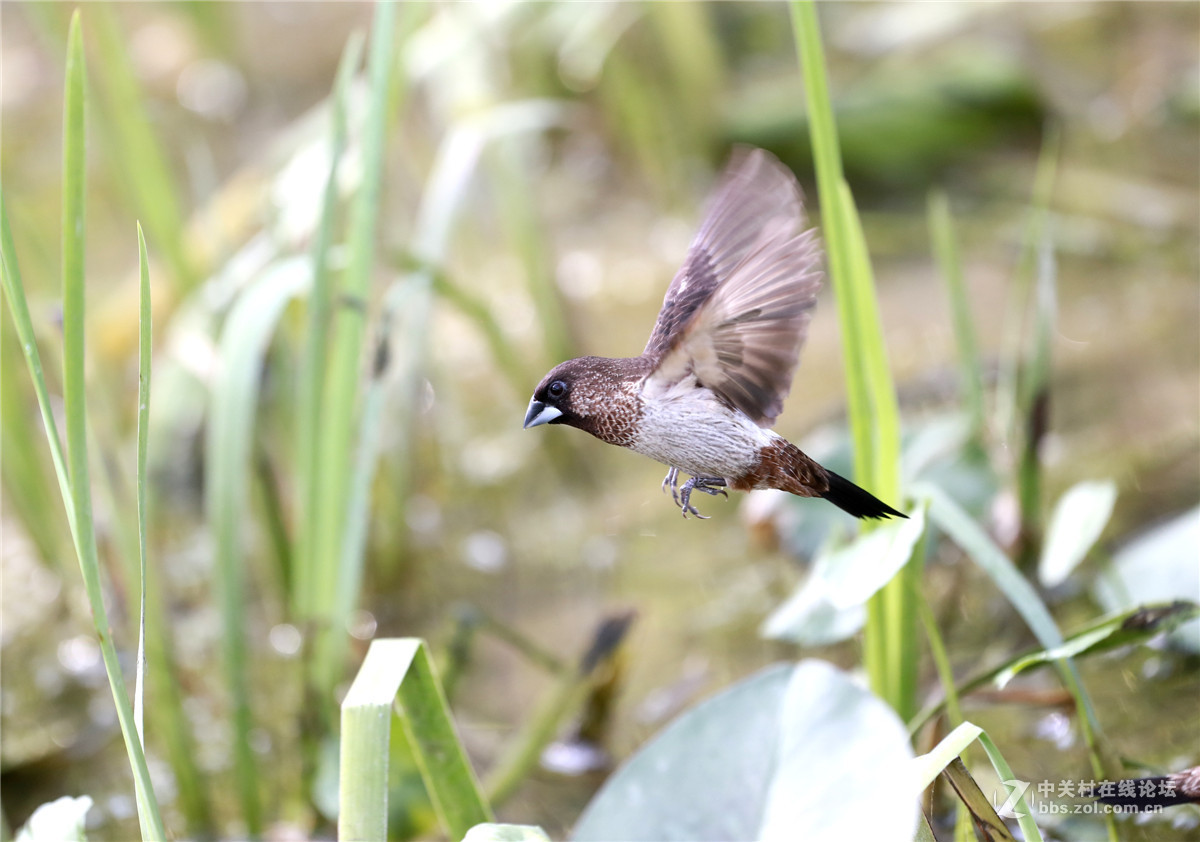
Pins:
x: 1078, y: 520
x: 788, y: 753
x: 61, y: 820
x: 829, y: 606
x: 854, y: 573
x: 834, y: 737
x: 809, y: 618
x: 506, y: 833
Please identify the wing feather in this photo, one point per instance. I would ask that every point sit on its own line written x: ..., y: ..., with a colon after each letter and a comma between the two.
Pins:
x: 738, y: 311
x: 755, y: 190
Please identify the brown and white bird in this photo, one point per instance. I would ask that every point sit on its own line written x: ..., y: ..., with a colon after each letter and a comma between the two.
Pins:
x: 702, y: 396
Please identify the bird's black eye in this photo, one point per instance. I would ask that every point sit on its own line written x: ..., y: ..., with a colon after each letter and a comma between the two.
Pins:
x: 557, y: 389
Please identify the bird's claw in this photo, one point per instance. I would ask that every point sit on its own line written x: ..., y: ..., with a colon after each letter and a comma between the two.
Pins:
x: 711, y: 486
x: 672, y: 480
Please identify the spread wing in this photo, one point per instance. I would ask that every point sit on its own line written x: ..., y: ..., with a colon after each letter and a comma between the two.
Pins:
x: 737, y: 312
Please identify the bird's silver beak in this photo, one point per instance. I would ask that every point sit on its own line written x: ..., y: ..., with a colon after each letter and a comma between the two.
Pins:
x: 539, y: 413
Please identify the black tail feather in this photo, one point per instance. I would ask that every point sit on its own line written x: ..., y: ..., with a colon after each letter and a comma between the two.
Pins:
x: 856, y: 501
x: 1148, y: 793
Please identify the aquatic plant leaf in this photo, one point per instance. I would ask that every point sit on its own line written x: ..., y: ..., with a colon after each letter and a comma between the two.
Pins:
x: 1078, y: 520
x: 506, y: 833
x: 792, y: 752
x: 60, y: 820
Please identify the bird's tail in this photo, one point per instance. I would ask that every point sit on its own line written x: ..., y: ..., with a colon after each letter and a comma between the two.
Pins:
x: 856, y: 501
x: 1148, y: 793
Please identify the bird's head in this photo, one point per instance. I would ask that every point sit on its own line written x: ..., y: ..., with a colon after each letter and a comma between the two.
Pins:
x: 558, y: 398
x: 593, y: 394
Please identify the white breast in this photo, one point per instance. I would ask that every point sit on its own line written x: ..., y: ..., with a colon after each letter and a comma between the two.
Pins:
x: 688, y: 428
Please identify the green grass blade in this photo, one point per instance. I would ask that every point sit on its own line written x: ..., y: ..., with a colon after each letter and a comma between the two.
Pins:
x: 331, y: 648
x: 311, y: 375
x: 983, y: 813
x: 342, y: 376
x: 18, y: 307
x: 1033, y: 388
x: 1022, y: 596
x: 1029, y: 828
x: 398, y: 673
x: 928, y: 766
x: 243, y: 345
x: 31, y: 496
x: 1007, y: 387
x: 525, y: 230
x: 75, y: 412
x: 890, y: 640
x: 1133, y: 626
x: 136, y: 151
x: 945, y: 250
x: 145, y: 344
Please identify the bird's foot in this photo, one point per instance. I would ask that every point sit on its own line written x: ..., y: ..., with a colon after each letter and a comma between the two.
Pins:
x: 709, y: 485
x: 672, y: 481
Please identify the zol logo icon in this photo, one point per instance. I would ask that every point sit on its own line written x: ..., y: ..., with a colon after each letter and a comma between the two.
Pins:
x: 1016, y: 790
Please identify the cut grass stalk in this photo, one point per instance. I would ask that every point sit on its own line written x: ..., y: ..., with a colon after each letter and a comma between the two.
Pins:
x: 890, y: 641
x: 398, y: 674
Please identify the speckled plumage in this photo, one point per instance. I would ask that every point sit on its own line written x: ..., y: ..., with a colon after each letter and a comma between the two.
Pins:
x: 719, y: 361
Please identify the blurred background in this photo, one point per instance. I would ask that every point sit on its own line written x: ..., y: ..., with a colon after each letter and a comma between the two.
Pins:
x: 550, y: 162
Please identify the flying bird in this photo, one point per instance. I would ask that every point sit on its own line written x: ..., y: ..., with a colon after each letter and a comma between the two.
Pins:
x: 712, y: 379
